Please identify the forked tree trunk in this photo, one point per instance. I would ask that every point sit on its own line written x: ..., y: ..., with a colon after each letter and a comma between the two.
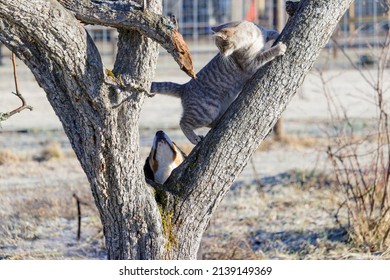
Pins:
x: 100, y: 112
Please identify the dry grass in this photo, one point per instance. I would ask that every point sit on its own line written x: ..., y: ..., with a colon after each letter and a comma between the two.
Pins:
x: 292, y: 219
x: 7, y: 156
x: 51, y: 151
x: 230, y: 249
x: 43, y: 225
x: 362, y: 166
x: 38, y: 213
x: 362, y: 171
x: 292, y: 141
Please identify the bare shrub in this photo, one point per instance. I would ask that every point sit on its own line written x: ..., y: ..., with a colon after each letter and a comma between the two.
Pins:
x: 52, y: 150
x: 361, y: 162
x: 7, y: 156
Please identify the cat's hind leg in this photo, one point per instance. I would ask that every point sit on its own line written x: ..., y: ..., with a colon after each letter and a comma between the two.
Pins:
x: 188, y: 130
x: 197, y: 115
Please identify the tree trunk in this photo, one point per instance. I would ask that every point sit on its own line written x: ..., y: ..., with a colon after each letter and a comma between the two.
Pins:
x: 100, y: 110
x: 103, y: 134
x: 279, y: 22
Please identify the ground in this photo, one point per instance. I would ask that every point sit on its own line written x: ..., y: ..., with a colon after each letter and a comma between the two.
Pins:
x: 282, y: 206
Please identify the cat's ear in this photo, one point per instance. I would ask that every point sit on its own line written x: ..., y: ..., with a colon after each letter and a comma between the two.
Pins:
x: 224, y: 34
x: 225, y: 25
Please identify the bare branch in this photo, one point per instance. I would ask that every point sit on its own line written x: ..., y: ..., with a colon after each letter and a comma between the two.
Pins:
x: 352, y: 63
x: 135, y: 16
x: 31, y: 32
x: 5, y: 116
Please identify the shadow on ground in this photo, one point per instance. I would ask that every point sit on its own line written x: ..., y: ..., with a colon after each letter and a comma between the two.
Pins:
x: 298, y: 242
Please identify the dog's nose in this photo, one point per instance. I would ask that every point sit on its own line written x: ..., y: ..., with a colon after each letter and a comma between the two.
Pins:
x: 160, y: 133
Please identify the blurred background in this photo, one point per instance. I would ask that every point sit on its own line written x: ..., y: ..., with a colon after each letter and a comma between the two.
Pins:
x: 367, y: 21
x: 307, y: 193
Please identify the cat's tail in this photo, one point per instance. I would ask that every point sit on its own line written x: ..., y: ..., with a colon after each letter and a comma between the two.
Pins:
x: 167, y: 88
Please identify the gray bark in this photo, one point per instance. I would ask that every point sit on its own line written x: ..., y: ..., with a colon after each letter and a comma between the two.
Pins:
x: 100, y: 116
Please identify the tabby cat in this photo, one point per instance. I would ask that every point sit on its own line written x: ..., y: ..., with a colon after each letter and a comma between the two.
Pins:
x: 241, y: 53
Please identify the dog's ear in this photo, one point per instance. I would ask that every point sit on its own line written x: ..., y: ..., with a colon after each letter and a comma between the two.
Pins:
x: 148, y: 171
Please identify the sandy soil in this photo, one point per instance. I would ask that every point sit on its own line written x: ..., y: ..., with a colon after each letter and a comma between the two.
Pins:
x: 270, y: 212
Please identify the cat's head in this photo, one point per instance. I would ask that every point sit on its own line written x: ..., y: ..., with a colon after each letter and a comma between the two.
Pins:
x: 233, y: 36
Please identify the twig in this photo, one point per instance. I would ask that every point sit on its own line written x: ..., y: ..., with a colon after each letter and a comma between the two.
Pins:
x: 79, y: 202
x: 78, y: 217
x: 366, y: 186
x: 5, y: 116
x: 255, y: 173
x: 353, y: 64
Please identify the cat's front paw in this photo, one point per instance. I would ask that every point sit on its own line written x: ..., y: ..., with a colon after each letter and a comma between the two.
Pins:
x: 282, y: 48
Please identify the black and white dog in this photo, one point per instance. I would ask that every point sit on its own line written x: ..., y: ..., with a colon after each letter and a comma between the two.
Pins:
x: 164, y: 156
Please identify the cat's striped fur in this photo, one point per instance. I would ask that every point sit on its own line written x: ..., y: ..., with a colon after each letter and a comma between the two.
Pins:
x: 205, y: 99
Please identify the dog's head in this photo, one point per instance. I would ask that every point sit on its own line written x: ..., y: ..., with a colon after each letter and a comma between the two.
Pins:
x: 163, y: 158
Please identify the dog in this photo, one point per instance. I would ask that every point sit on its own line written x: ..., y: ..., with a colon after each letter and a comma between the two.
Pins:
x: 164, y: 156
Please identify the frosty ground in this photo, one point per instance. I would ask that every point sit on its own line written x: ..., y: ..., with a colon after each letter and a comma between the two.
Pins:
x: 281, y: 207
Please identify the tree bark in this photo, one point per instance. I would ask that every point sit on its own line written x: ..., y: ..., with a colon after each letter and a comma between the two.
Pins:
x: 279, y: 22
x: 105, y: 137
x: 100, y: 116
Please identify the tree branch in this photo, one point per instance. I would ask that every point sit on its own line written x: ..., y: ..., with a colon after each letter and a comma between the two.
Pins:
x: 213, y: 165
x: 71, y: 50
x: 5, y: 116
x: 135, y: 17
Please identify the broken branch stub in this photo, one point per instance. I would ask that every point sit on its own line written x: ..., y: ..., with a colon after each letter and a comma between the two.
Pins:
x: 184, y: 56
x: 5, y: 116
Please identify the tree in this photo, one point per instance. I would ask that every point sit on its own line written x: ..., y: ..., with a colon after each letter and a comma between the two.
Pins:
x: 279, y: 22
x: 99, y: 111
